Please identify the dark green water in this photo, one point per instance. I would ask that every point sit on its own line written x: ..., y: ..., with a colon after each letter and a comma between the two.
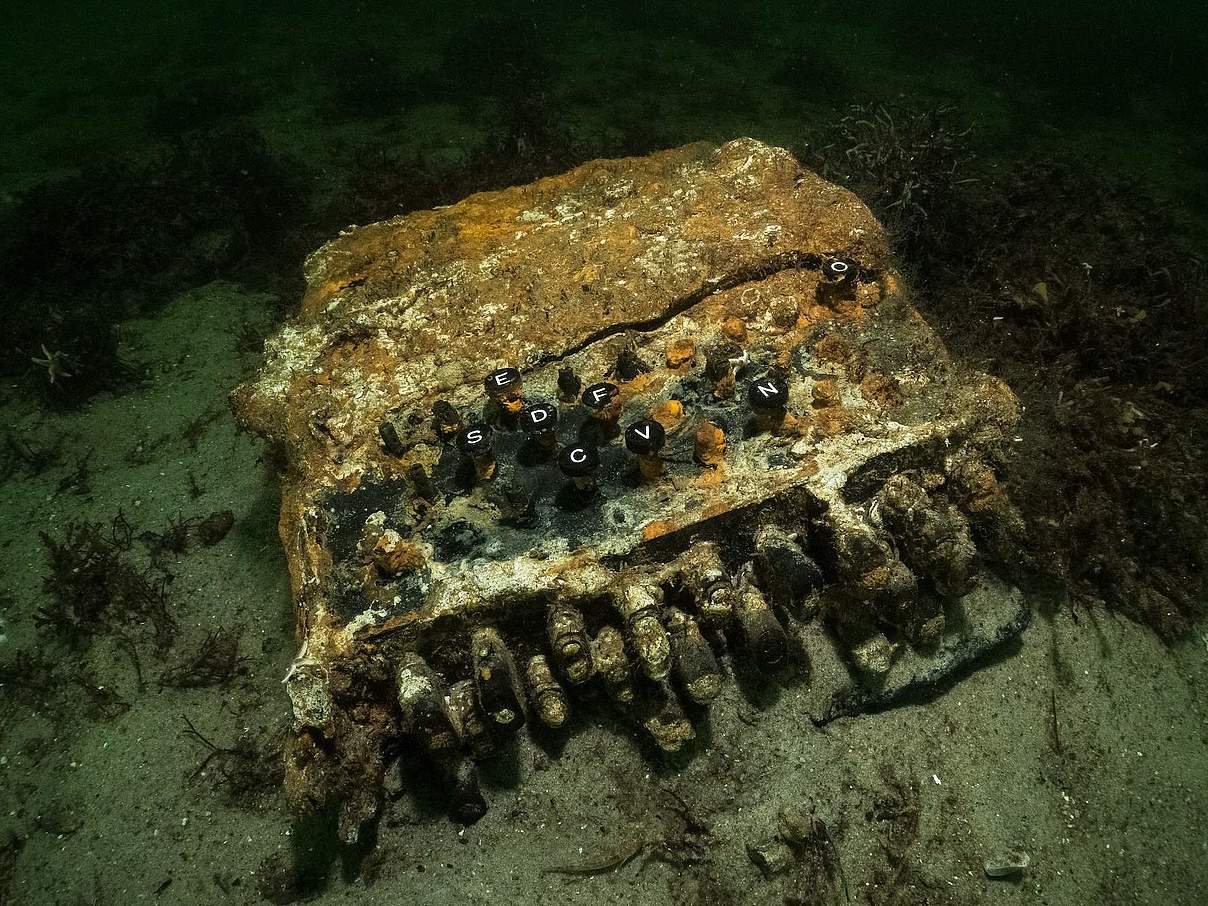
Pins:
x: 164, y: 170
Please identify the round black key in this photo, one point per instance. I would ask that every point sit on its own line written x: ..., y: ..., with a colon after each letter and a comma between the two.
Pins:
x: 474, y: 440
x: 501, y: 380
x: 597, y: 396
x: 645, y: 438
x: 578, y: 461
x: 839, y: 269
x: 768, y: 394
x: 538, y: 418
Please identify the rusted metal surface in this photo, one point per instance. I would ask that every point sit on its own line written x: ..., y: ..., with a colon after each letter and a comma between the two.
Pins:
x: 580, y: 439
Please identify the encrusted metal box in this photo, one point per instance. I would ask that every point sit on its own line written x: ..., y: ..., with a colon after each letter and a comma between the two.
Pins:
x: 579, y: 438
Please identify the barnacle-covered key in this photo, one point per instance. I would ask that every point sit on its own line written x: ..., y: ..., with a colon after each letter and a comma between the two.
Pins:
x: 696, y: 667
x: 569, y: 644
x: 638, y: 603
x: 933, y: 535
x: 499, y: 691
x: 582, y: 435
x: 703, y: 573
x: 612, y: 664
x: 548, y: 697
x: 423, y: 706
x: 762, y: 634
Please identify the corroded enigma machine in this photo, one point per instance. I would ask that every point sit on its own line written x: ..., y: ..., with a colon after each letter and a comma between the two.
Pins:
x: 579, y: 438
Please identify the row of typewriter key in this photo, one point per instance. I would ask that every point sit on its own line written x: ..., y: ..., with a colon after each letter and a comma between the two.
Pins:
x: 579, y: 461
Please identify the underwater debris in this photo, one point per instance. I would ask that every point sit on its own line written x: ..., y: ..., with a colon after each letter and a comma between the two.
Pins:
x: 1008, y: 865
x: 182, y: 534
x: 803, y: 842
x: 997, y: 616
x: 215, y: 527
x: 93, y: 588
x: 682, y: 837
x: 419, y: 603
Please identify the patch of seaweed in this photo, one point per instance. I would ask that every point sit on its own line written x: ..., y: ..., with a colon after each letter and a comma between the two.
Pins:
x: 249, y: 771
x: 31, y: 681
x: 1079, y: 290
x: 196, y: 427
x: 897, y: 812
x: 29, y: 458
x: 94, y: 588
x: 27, y: 678
x: 907, y: 164
x: 79, y: 480
x: 215, y: 662
x: 101, y: 702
